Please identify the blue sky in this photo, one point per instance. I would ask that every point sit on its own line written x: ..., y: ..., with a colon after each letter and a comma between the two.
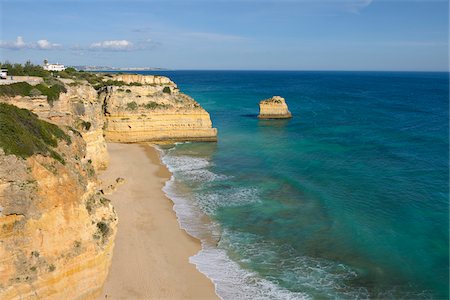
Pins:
x: 219, y: 34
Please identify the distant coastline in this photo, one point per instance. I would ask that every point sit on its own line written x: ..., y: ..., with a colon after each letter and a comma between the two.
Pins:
x: 106, y: 68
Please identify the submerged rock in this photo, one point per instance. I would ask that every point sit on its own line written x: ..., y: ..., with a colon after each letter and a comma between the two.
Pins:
x: 274, y: 108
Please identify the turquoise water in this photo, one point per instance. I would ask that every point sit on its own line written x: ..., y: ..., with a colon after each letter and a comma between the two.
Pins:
x: 349, y: 199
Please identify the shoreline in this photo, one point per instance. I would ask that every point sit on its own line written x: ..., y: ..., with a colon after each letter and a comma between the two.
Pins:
x: 151, y: 253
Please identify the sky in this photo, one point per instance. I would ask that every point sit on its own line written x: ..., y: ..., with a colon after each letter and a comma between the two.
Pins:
x: 392, y: 35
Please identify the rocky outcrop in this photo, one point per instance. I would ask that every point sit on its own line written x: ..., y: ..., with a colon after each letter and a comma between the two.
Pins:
x: 56, y: 230
x: 145, y: 110
x: 79, y: 108
x: 274, y: 108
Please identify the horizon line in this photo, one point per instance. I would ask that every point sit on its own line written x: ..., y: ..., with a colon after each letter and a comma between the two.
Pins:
x: 278, y: 70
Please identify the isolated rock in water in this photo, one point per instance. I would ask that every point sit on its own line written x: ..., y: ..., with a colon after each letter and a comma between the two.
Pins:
x: 274, y: 108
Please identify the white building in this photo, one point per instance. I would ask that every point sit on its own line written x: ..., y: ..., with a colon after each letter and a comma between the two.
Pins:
x: 53, y: 67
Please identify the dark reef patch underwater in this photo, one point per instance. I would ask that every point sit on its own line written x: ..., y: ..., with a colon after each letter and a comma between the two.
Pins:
x: 347, y: 200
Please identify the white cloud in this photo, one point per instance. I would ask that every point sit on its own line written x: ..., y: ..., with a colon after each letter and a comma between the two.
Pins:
x: 20, y: 43
x: 46, y: 45
x: 112, y: 45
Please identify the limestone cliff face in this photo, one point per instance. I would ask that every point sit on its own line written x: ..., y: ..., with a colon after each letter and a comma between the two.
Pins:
x: 274, y: 108
x: 155, y: 111
x: 145, y: 80
x: 78, y: 108
x: 56, y: 231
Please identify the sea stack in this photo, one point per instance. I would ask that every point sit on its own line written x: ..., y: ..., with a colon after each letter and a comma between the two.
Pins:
x: 274, y: 108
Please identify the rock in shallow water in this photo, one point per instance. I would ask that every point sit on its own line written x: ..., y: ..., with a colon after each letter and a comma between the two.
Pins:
x: 274, y: 108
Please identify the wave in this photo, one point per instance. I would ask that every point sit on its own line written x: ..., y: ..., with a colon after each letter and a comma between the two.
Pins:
x: 197, y: 192
x: 233, y: 282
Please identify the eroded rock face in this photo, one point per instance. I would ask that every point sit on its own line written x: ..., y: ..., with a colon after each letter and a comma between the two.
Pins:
x: 56, y: 230
x: 153, y: 112
x: 274, y: 108
x: 145, y: 80
x: 78, y: 108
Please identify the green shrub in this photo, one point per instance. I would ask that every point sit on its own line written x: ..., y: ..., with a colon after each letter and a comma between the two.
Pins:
x: 103, y: 229
x: 132, y: 105
x: 75, y: 83
x: 155, y: 105
x: 34, y: 92
x: 51, y: 92
x: 128, y: 91
x: 83, y: 125
x: 86, y: 125
x: 16, y: 89
x: 23, y: 134
x: 151, y: 105
x: 52, y: 89
x: 28, y: 69
x: 167, y: 90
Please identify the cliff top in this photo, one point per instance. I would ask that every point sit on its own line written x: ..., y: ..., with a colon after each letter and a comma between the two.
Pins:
x: 273, y: 100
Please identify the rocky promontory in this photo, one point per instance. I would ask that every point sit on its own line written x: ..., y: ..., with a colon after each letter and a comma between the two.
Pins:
x: 151, y: 108
x: 274, y: 108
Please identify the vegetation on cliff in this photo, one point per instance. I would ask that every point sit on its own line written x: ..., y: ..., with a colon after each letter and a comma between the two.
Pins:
x: 97, y: 80
x: 28, y: 69
x: 23, y: 134
x: 51, y: 88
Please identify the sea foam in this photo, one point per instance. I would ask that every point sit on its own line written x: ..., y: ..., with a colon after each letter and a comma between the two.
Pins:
x: 231, y: 279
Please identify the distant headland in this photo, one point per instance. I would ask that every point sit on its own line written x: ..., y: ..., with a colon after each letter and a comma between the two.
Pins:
x: 107, y: 68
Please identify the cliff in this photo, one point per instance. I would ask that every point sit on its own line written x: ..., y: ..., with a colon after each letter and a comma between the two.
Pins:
x: 274, y: 108
x: 79, y: 108
x: 56, y: 229
x: 57, y: 232
x: 151, y: 108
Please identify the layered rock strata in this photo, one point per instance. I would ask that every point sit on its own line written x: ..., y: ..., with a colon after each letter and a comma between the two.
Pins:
x: 56, y: 230
x: 153, y: 110
x: 79, y: 108
x: 274, y: 108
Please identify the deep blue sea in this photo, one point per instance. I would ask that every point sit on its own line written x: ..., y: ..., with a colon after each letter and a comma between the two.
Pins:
x: 348, y: 199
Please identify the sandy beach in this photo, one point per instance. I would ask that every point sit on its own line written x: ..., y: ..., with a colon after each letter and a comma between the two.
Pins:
x: 151, y: 254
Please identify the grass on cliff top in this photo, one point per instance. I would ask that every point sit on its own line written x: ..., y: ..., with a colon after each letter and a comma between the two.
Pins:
x: 51, y: 88
x: 97, y: 80
x: 23, y: 134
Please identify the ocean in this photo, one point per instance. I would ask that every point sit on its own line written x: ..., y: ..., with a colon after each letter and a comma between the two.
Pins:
x: 348, y: 199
